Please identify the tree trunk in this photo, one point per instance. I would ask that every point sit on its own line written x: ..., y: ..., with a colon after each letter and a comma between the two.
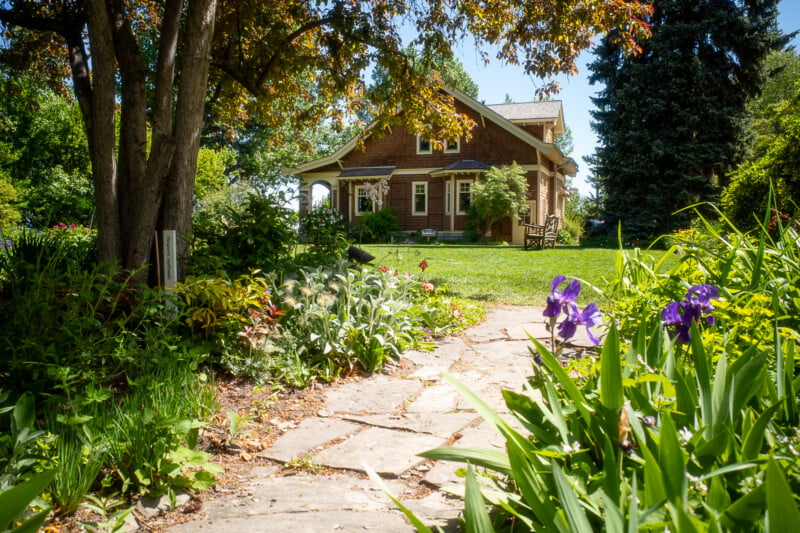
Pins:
x: 176, y: 206
x: 101, y: 132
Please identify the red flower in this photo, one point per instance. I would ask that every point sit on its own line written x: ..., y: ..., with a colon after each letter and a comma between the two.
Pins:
x: 427, y: 286
x: 423, y: 265
x: 384, y: 269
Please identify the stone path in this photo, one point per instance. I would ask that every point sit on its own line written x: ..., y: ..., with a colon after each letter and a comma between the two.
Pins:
x: 384, y: 422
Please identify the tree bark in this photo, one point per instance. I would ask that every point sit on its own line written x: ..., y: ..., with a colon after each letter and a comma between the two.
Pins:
x: 176, y: 207
x: 102, y: 133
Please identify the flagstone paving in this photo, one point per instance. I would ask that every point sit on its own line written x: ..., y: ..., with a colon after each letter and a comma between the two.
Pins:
x: 383, y: 422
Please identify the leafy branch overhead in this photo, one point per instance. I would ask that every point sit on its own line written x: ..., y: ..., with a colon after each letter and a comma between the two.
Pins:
x: 163, y: 69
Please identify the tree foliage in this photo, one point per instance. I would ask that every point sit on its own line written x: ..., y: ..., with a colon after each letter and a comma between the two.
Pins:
x: 158, y: 68
x: 777, y: 166
x: 448, y: 68
x: 670, y: 120
x: 499, y: 193
x: 43, y: 152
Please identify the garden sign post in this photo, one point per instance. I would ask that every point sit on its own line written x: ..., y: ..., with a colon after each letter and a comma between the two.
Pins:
x: 170, y: 259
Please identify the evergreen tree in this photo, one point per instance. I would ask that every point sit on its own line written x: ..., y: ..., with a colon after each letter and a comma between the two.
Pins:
x: 670, y: 119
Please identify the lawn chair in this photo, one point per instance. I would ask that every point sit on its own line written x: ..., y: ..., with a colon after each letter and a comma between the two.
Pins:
x: 541, y: 236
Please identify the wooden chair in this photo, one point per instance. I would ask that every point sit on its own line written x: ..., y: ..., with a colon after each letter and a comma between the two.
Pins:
x: 541, y: 236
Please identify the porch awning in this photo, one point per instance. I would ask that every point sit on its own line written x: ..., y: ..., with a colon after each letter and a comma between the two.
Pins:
x: 465, y: 166
x: 366, y: 173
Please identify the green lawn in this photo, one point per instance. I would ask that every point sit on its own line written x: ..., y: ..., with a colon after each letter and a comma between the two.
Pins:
x: 502, y: 274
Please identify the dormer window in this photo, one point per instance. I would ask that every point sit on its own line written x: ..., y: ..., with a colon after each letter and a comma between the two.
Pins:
x: 424, y: 145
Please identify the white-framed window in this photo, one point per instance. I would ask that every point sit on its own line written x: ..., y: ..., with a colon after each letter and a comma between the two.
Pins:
x: 452, y: 146
x: 363, y: 203
x: 448, y: 198
x: 419, y: 198
x: 424, y: 145
x: 464, y: 197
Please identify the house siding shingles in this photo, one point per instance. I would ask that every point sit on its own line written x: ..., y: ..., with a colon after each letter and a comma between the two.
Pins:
x: 490, y: 144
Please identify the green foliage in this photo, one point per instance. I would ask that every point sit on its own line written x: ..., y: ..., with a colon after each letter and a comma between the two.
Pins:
x: 379, y: 226
x: 672, y: 149
x: 213, y: 170
x: 445, y: 66
x: 21, y: 443
x: 653, y: 434
x: 776, y: 169
x: 9, y: 215
x: 443, y: 313
x: 498, y: 194
x: 641, y: 441
x: 324, y: 230
x: 260, y: 234
x: 341, y: 317
x: 43, y: 151
x: 14, y: 503
x: 109, y: 370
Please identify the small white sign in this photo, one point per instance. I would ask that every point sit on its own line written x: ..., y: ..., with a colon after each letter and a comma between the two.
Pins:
x: 170, y: 258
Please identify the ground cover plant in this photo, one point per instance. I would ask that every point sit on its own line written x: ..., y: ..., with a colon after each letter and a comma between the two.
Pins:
x: 687, y: 419
x: 108, y: 385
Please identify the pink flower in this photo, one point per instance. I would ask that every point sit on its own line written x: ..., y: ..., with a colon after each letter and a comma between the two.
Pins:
x: 427, y: 286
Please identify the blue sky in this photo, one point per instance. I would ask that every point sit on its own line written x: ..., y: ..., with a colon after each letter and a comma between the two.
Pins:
x: 495, y: 81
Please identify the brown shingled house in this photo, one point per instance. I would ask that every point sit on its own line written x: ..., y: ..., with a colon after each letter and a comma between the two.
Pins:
x: 431, y: 189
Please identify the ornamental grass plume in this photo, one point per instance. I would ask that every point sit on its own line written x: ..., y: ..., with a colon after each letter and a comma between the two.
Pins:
x: 679, y: 316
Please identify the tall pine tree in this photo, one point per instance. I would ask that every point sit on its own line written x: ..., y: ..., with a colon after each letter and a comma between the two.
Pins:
x: 670, y: 120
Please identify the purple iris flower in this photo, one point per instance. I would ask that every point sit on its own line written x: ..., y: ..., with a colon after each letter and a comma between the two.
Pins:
x: 558, y: 301
x: 589, y: 317
x: 678, y: 316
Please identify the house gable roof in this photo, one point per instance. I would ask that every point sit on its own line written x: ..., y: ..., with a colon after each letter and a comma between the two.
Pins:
x: 548, y: 111
x: 484, y: 111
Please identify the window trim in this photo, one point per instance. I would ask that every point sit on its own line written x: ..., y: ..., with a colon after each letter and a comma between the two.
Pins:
x: 419, y: 139
x: 452, y: 149
x: 448, y: 197
x: 459, y: 211
x: 357, y: 206
x: 414, y: 211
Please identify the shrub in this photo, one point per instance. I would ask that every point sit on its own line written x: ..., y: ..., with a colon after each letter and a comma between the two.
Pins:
x: 379, y: 226
x: 261, y: 235
x: 325, y: 232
